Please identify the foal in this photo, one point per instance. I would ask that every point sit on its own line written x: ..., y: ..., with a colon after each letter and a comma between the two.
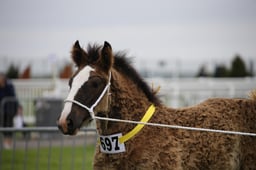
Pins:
x: 106, y: 85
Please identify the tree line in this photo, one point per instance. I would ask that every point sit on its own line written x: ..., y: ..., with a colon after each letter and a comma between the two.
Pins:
x: 238, y: 68
x: 13, y: 72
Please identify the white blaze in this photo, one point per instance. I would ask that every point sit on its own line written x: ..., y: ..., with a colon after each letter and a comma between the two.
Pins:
x: 77, y: 82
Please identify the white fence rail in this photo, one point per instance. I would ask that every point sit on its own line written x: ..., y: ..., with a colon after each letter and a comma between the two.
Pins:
x: 174, y: 92
x: 190, y: 91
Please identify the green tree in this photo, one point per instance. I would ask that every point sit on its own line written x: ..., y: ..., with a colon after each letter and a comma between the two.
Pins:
x: 12, y: 72
x: 238, y: 67
x: 221, y: 71
x: 202, y: 72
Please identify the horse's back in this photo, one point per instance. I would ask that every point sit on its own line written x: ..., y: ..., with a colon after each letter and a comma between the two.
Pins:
x: 216, y: 150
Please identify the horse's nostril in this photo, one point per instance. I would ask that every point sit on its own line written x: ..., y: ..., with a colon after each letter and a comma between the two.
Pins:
x: 69, y: 124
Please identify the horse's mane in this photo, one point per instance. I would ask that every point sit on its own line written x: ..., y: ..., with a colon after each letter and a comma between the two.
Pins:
x: 123, y: 65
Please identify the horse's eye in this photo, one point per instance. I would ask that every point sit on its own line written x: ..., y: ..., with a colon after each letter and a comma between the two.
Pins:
x: 95, y: 84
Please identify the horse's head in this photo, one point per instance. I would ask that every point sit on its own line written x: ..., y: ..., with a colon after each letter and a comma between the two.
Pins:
x: 89, y: 87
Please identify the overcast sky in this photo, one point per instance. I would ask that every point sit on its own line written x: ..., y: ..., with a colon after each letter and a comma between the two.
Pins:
x: 184, y: 33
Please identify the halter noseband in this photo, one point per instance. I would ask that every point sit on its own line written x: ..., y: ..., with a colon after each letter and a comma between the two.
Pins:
x: 91, y: 109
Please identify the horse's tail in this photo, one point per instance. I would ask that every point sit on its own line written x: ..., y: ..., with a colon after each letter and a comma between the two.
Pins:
x: 252, y: 94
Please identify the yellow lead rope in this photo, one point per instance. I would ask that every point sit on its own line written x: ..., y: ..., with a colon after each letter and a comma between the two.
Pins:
x: 138, y: 127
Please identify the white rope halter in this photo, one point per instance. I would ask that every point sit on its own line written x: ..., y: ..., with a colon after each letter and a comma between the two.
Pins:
x: 91, y: 109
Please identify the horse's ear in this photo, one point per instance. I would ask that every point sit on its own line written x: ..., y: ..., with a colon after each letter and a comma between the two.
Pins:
x: 78, y: 54
x: 107, y: 58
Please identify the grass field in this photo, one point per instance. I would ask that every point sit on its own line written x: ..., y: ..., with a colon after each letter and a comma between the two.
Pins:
x: 56, y: 158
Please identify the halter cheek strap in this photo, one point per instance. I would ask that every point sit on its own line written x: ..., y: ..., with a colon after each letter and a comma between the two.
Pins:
x: 91, y: 109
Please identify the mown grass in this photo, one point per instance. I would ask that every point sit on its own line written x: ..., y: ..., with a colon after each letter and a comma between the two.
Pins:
x: 56, y: 158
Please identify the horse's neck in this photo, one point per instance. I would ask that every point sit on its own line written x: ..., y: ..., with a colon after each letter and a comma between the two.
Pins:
x: 128, y: 102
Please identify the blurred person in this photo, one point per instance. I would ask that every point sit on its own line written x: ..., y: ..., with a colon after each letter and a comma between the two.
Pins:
x: 8, y: 108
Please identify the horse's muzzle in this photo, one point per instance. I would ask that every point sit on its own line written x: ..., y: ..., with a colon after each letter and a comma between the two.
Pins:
x: 67, y: 127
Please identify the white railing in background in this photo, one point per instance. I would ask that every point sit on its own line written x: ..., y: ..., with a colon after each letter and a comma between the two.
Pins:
x: 174, y: 92
x: 34, y: 88
x: 190, y: 91
x: 28, y: 91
